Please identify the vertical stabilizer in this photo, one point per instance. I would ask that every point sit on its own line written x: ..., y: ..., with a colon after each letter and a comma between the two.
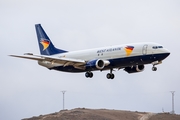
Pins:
x: 46, y: 47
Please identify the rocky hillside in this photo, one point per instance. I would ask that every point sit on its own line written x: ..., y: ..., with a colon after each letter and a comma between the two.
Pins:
x: 104, y: 114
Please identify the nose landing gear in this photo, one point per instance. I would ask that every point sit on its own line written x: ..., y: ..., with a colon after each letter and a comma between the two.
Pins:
x: 154, y: 68
x: 155, y: 63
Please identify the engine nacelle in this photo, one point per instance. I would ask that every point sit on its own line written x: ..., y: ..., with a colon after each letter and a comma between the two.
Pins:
x: 95, y: 64
x: 134, y: 69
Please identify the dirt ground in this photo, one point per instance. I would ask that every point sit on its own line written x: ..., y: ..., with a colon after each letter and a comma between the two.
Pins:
x: 104, y: 114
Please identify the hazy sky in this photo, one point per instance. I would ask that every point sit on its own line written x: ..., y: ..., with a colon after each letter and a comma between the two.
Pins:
x: 27, y: 89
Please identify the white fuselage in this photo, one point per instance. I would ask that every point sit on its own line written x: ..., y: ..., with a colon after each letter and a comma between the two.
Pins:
x: 110, y: 52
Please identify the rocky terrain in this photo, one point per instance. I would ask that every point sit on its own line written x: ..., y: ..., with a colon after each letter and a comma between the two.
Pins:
x: 104, y: 114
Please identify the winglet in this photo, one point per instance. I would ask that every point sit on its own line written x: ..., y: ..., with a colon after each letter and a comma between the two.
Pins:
x: 45, y: 45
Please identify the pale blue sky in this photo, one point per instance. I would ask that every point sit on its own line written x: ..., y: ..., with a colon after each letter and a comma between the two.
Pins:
x: 27, y: 89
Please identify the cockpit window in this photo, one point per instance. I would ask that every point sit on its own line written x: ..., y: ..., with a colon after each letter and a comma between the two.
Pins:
x: 156, y: 47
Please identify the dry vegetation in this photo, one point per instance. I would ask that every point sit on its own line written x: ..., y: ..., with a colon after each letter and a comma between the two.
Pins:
x: 104, y: 114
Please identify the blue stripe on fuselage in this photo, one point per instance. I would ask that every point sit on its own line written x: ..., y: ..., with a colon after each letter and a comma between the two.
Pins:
x: 120, y: 62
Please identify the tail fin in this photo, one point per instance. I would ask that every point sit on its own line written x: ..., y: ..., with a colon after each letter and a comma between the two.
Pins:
x: 45, y: 45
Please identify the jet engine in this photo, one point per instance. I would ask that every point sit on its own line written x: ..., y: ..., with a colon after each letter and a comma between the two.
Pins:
x: 134, y: 69
x: 95, y: 64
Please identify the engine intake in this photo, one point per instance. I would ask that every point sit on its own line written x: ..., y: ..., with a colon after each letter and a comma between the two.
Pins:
x: 100, y: 64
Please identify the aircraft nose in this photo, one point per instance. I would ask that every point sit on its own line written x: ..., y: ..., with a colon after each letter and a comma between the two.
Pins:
x: 167, y: 53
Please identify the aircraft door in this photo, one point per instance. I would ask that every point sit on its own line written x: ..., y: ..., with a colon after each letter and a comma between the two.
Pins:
x: 144, y: 49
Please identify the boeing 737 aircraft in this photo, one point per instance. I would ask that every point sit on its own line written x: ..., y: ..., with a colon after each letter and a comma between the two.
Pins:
x: 130, y: 57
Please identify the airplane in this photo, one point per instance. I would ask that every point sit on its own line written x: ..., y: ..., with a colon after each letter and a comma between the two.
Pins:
x: 130, y: 57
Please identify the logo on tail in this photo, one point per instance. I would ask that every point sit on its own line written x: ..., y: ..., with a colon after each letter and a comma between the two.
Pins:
x: 129, y: 50
x: 45, y: 43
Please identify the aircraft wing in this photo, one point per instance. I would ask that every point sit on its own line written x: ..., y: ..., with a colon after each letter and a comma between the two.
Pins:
x: 77, y: 63
x: 27, y: 57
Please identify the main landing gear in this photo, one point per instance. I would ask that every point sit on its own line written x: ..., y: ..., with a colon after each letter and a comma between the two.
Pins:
x: 89, y: 74
x: 110, y: 75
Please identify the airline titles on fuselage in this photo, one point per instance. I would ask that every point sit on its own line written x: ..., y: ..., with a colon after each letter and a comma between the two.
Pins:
x: 109, y: 50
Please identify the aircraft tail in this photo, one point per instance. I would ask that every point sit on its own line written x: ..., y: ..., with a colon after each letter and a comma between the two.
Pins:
x: 45, y: 45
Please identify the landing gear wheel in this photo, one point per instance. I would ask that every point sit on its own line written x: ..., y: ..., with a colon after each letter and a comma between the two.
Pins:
x: 110, y: 76
x: 154, y: 68
x: 89, y: 74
